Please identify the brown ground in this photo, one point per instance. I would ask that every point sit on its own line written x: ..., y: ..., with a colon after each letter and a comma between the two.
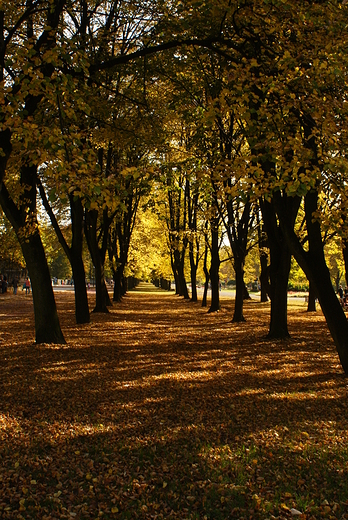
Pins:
x: 160, y: 410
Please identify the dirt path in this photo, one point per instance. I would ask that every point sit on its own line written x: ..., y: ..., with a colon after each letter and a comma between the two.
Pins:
x: 160, y: 410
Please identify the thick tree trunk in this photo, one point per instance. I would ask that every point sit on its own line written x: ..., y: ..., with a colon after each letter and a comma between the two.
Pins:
x: 47, y: 327
x: 279, y: 273
x: 238, y: 306
x: 312, y: 296
x: 214, y: 268
x: 314, y: 266
x: 280, y: 257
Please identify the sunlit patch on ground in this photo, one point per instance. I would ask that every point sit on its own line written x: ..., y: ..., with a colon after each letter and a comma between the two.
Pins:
x: 160, y: 410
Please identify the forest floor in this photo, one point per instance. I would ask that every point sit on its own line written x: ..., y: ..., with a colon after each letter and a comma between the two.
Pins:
x: 161, y: 410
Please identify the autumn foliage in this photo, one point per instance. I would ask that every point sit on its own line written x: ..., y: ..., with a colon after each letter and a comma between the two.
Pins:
x: 160, y: 410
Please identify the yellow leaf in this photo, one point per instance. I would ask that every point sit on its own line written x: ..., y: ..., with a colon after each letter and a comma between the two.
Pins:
x: 114, y: 509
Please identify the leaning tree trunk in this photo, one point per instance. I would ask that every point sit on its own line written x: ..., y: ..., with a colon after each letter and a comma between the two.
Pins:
x: 47, y: 327
x: 314, y: 266
x: 239, y: 300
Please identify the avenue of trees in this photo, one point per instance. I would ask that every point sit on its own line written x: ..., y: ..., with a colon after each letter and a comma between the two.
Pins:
x: 225, y: 119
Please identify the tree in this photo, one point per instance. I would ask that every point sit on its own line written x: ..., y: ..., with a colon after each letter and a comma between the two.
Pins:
x: 28, y: 40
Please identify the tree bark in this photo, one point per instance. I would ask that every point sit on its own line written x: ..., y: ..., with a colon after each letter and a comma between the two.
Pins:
x: 238, y: 306
x: 74, y: 252
x: 279, y: 275
x: 345, y: 258
x: 206, y: 274
x: 47, y: 327
x: 280, y: 257
x: 193, y: 266
x: 77, y: 265
x: 98, y: 258
x: 314, y: 266
x: 312, y: 296
x: 264, y: 268
x: 215, y: 266
x: 117, y: 294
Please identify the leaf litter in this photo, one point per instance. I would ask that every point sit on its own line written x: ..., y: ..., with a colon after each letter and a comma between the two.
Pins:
x: 160, y: 410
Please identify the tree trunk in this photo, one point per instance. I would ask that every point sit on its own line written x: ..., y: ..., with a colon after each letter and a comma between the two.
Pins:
x: 279, y: 271
x: 47, y: 327
x: 264, y: 268
x: 74, y: 252
x: 312, y: 296
x: 314, y: 266
x: 124, y: 285
x: 264, y: 278
x: 182, y: 282
x: 214, y: 267
x: 81, y: 300
x: 117, y: 295
x: 193, y: 266
x: 246, y: 295
x: 98, y: 258
x: 179, y: 276
x: 206, y: 275
x: 76, y: 261
x: 345, y: 258
x: 102, y: 299
x: 238, y: 306
x: 279, y: 274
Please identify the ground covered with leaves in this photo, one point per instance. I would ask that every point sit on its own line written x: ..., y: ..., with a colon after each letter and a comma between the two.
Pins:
x: 160, y: 410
